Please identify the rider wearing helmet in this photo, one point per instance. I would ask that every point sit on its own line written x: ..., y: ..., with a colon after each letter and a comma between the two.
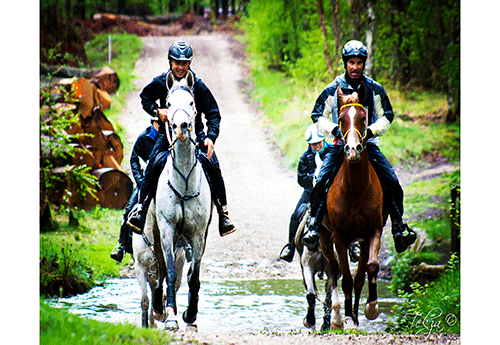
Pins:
x: 180, y: 55
x: 309, y: 165
x: 380, y: 116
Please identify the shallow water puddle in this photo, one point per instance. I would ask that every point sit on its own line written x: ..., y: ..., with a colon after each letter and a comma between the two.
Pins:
x: 251, y: 306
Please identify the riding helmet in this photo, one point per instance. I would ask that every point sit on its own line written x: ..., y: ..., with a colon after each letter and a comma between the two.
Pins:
x: 354, y: 48
x: 312, y: 135
x: 180, y: 51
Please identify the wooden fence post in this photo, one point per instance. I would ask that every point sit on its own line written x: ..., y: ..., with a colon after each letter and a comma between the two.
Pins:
x: 455, y: 220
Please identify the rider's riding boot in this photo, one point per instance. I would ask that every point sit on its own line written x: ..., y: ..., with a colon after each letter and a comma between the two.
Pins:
x: 287, y: 252
x: 118, y: 252
x: 403, y: 235
x: 311, y: 237
x: 137, y: 216
x: 226, y: 225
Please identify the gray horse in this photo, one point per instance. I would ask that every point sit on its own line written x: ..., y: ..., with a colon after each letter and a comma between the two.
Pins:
x: 313, y: 263
x: 182, y: 207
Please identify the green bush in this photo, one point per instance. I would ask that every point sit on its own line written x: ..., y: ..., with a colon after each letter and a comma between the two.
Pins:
x: 432, y: 308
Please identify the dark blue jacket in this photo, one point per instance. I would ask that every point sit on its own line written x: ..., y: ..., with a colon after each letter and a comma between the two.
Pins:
x: 307, y: 166
x: 205, y: 103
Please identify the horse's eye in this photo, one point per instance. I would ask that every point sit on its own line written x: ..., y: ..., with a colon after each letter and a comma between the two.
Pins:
x: 192, y: 103
x: 169, y: 105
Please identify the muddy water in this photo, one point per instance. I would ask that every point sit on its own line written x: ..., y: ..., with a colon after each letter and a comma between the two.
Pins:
x: 227, y: 306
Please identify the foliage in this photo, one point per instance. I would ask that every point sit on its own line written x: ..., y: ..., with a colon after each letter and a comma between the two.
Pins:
x: 433, y: 308
x: 402, y: 272
x: 409, y: 50
x: 58, y: 326
x: 63, y: 271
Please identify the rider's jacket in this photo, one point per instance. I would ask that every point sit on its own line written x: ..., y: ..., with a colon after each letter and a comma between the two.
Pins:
x: 142, y: 149
x: 205, y: 103
x: 307, y: 166
x: 380, y: 114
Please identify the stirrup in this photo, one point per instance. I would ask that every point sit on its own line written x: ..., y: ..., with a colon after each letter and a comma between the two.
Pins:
x: 135, y: 219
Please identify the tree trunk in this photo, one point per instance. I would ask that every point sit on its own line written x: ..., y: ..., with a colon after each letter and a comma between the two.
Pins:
x: 328, y: 58
x: 370, y: 35
x: 337, y: 33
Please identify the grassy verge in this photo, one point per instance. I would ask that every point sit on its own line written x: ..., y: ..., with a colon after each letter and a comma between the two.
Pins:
x: 58, y: 326
x: 80, y: 253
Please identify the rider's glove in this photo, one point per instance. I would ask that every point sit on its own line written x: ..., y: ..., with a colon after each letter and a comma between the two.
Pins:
x: 368, y: 134
x: 337, y: 132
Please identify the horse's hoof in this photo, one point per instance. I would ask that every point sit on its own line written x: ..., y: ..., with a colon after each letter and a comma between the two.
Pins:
x: 307, y: 324
x: 191, y: 327
x: 349, y: 323
x: 337, y: 325
x: 171, y: 325
x: 371, y: 310
x: 187, y: 319
x: 159, y: 317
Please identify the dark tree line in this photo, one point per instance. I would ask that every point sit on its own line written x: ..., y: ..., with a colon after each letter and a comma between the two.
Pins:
x: 410, y: 42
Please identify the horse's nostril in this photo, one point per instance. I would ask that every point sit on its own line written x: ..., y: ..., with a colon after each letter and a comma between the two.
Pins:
x: 346, y: 148
x: 184, y: 125
x: 174, y: 126
x: 359, y: 147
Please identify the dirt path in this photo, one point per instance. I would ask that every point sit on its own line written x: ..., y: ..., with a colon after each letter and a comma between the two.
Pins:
x: 261, y: 192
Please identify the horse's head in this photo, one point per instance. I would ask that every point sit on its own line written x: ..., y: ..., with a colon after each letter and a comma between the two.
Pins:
x: 181, y: 107
x: 352, y: 121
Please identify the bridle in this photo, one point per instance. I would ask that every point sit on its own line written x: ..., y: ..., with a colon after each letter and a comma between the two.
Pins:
x: 361, y: 136
x: 183, y: 197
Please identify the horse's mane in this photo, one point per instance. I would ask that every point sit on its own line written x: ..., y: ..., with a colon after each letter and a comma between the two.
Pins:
x: 351, y: 98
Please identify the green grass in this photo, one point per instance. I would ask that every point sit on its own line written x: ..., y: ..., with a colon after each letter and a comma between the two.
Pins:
x: 422, y: 202
x: 87, y: 248
x: 58, y: 326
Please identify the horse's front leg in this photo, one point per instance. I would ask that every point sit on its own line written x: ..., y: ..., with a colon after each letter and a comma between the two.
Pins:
x: 190, y: 314
x: 334, y: 274
x: 359, y: 278
x: 371, y: 309
x: 347, y: 283
x: 167, y: 237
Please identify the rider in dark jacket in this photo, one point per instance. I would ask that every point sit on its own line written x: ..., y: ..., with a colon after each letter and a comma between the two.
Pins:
x: 180, y: 55
x: 142, y: 149
x: 309, y: 166
x: 380, y: 116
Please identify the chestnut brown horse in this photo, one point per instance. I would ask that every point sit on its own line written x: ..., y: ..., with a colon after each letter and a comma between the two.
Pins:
x: 354, y: 206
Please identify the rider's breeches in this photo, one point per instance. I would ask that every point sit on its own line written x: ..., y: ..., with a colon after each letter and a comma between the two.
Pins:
x: 214, y: 174
x: 154, y: 168
x: 393, y: 193
x: 295, y: 217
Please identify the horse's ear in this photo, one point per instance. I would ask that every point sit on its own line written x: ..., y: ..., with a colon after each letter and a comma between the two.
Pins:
x: 361, y: 92
x: 339, y: 91
x: 190, y: 79
x: 170, y: 80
